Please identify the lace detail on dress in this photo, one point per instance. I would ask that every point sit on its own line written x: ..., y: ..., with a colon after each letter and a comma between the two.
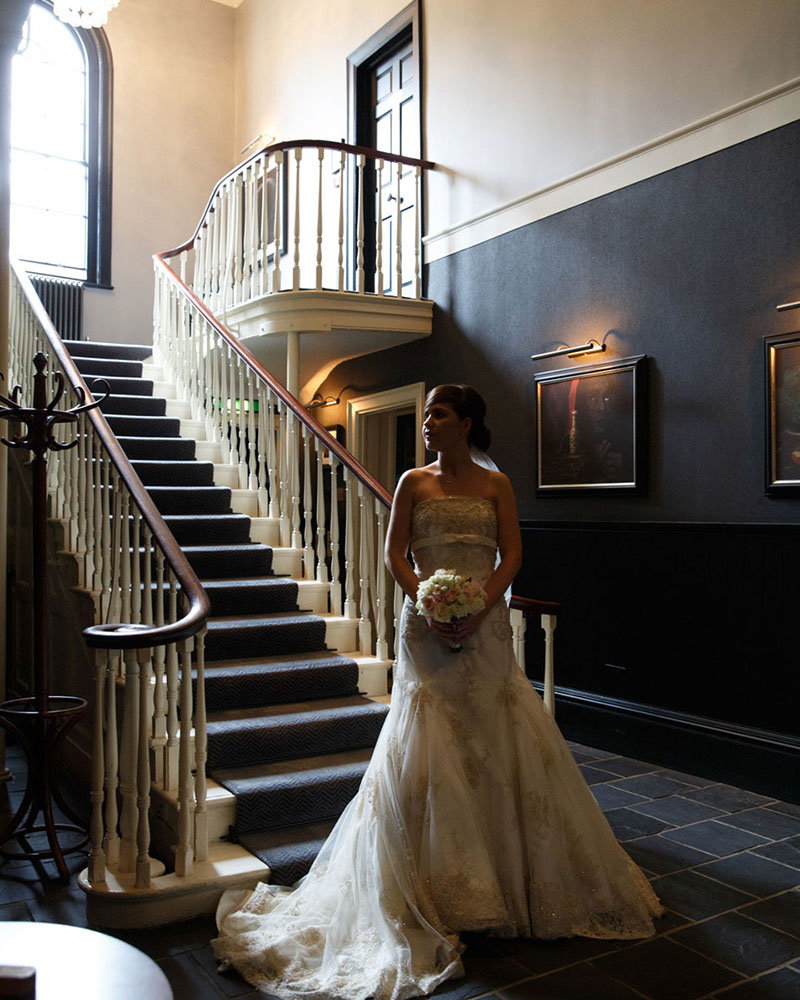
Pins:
x: 472, y: 815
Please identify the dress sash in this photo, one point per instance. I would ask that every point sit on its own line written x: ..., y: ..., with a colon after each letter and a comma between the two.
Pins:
x: 422, y: 543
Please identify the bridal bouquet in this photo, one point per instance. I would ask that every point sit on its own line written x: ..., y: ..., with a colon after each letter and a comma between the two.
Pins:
x: 446, y: 595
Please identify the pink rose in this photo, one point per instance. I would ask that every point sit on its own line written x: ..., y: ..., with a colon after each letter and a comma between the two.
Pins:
x: 428, y: 603
x: 452, y: 596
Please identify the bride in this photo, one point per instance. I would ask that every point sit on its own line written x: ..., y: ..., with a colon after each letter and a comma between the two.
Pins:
x: 472, y: 814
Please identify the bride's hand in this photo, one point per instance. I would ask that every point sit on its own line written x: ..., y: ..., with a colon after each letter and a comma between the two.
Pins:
x: 462, y: 628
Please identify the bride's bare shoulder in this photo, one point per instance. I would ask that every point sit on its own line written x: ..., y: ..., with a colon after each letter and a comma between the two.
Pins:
x: 416, y: 483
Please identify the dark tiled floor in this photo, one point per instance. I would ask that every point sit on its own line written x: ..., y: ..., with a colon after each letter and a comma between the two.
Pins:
x: 725, y: 862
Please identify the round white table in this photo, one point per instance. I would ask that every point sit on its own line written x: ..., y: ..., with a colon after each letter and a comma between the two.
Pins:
x: 73, y: 962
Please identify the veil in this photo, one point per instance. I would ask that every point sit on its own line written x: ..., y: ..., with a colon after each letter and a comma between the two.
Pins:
x: 481, y: 458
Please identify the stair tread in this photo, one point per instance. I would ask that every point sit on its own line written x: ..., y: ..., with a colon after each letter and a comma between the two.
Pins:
x: 284, y: 660
x: 265, y: 618
x: 295, y: 712
x: 323, y: 767
x: 288, y: 842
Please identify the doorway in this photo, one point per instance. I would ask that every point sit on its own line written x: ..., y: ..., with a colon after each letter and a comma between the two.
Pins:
x: 384, y: 431
x: 384, y: 97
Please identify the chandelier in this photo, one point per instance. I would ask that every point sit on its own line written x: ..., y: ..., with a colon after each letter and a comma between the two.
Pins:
x: 84, y: 13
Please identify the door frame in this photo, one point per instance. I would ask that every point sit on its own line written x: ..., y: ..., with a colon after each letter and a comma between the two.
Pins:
x: 401, y: 397
x: 403, y: 26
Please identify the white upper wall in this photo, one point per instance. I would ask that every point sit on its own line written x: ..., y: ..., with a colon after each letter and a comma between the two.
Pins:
x: 173, y: 135
x: 519, y: 94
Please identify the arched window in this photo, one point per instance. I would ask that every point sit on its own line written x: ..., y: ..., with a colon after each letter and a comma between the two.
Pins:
x: 61, y: 149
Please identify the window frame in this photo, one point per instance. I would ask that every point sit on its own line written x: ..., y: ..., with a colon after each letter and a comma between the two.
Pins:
x: 99, y: 68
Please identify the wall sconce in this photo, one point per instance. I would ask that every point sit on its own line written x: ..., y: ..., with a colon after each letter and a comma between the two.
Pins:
x: 787, y: 305
x: 591, y: 347
x: 327, y: 400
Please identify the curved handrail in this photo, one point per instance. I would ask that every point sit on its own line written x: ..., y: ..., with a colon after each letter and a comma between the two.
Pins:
x: 122, y: 635
x: 530, y: 606
x: 276, y: 147
x: 342, y: 454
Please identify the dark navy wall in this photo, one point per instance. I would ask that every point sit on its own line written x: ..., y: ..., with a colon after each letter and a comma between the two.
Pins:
x: 687, y: 268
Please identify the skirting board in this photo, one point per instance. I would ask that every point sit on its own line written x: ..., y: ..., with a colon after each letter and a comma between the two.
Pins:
x: 763, y: 762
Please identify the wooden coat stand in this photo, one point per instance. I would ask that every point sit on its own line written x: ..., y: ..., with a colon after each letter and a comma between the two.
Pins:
x: 41, y: 722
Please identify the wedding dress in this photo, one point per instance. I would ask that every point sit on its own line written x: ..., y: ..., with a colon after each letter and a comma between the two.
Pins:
x: 471, y: 816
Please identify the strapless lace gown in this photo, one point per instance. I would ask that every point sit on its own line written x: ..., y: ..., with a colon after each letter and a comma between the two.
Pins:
x: 472, y: 815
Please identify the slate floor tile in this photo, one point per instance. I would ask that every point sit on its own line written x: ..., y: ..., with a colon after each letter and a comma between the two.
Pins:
x: 781, y: 912
x: 662, y: 856
x: 581, y: 982
x: 229, y: 983
x: 781, y: 985
x: 595, y: 752
x: 484, y: 973
x: 728, y: 798
x: 740, y: 943
x: 581, y: 757
x: 677, y: 811
x: 540, y: 957
x: 785, y: 851
x: 715, y: 837
x: 766, y: 822
x: 652, y: 786
x: 790, y: 808
x: 629, y: 825
x: 689, y: 779
x: 663, y: 970
x: 610, y: 797
x: 15, y: 911
x: 626, y: 767
x: 188, y: 980
x: 592, y: 775
x: 747, y: 871
x: 163, y: 942
x: 696, y: 896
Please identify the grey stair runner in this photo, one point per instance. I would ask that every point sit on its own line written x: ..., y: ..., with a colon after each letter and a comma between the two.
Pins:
x: 288, y: 733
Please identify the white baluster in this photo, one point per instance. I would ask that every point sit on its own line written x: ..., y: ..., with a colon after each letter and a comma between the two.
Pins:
x: 335, y: 586
x: 159, y: 739
x: 171, y: 755
x: 308, y: 531
x: 84, y: 557
x: 252, y: 438
x: 184, y: 852
x: 101, y: 544
x: 129, y: 754
x: 379, y: 227
x: 136, y: 575
x: 298, y: 155
x: 241, y: 425
x: 285, y: 476
x: 350, y: 606
x: 549, y: 627
x: 111, y: 840
x: 201, y: 754
x: 322, y: 546
x: 143, y: 775
x: 399, y: 226
x: 260, y: 394
x: 321, y: 155
x: 125, y: 558
x: 272, y: 458
x: 360, y: 227
x: 365, y: 572
x: 518, y: 629
x: 279, y: 208
x: 381, y: 643
x: 97, y: 856
x: 294, y: 476
x: 263, y: 278
x: 417, y: 232
x: 341, y: 220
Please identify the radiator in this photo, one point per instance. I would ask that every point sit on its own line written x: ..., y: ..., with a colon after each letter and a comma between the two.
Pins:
x: 63, y: 300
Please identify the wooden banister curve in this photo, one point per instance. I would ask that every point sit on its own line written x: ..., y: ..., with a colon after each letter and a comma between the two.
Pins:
x: 123, y: 635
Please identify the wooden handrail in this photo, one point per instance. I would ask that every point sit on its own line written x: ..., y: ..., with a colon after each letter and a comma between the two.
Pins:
x: 529, y: 606
x: 296, y: 144
x: 342, y: 454
x: 122, y: 635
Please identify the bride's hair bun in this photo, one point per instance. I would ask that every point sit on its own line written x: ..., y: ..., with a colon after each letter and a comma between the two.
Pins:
x: 467, y: 402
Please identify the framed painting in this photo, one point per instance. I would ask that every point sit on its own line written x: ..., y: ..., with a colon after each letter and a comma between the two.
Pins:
x: 591, y: 429
x: 782, y: 362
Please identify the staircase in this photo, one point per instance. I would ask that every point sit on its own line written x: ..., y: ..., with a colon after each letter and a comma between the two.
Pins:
x: 289, y: 734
